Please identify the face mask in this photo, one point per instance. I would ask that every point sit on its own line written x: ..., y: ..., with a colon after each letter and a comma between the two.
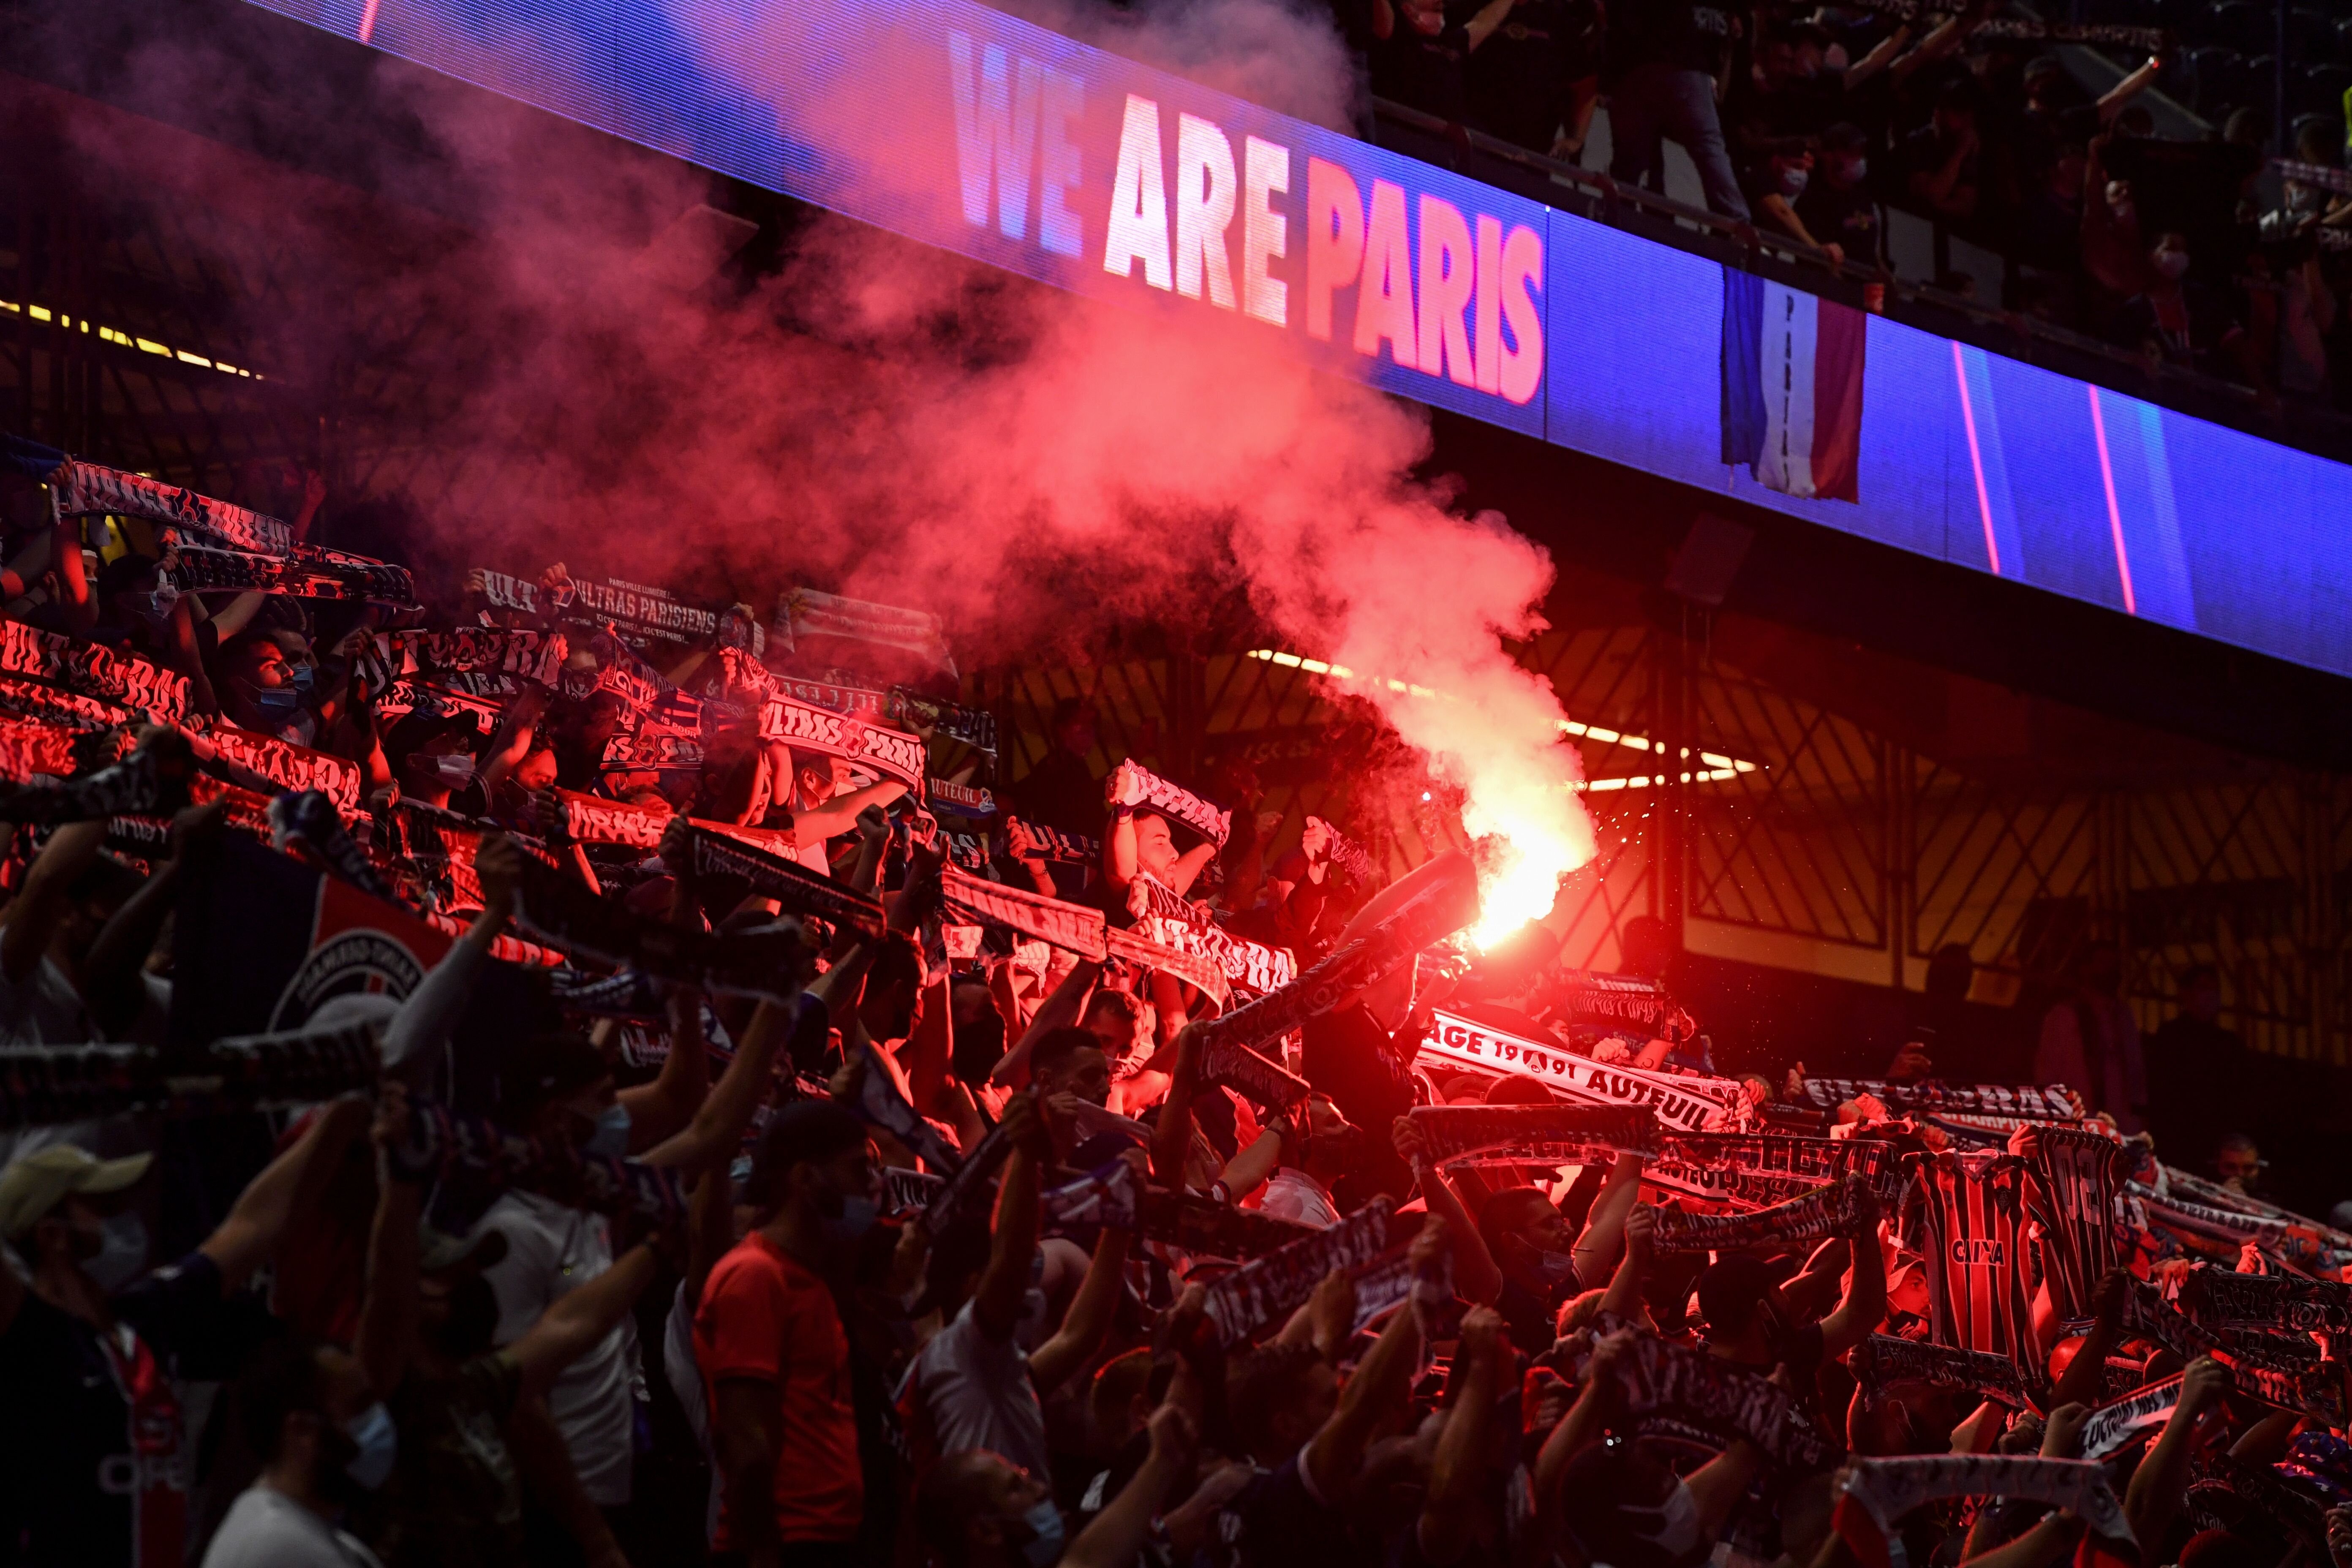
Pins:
x: 1856, y: 169
x: 1554, y: 1268
x: 157, y: 606
x: 379, y: 1445
x: 1673, y: 1524
x: 1044, y: 1548
x: 122, y: 1252
x: 2172, y: 263
x: 611, y: 1139
x: 306, y: 679
x: 1793, y: 181
x: 275, y: 702
x: 455, y: 769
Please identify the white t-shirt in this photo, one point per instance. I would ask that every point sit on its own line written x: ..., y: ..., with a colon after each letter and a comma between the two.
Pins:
x: 1294, y: 1194
x: 264, y: 1528
x: 43, y: 1009
x: 977, y: 1394
x: 551, y: 1251
x: 685, y: 1374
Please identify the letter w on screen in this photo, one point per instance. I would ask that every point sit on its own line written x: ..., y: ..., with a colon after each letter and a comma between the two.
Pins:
x: 1792, y: 388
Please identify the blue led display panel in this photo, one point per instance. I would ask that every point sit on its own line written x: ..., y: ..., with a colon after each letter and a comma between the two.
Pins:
x: 962, y: 127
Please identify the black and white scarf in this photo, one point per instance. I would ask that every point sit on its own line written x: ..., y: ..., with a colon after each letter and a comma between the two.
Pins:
x: 1875, y: 1494
x: 1269, y: 1288
x: 2054, y: 1103
x: 800, y: 890
x: 2119, y: 1422
x: 879, y: 1102
x: 1533, y: 1135
x: 2224, y: 1302
x: 1073, y: 928
x: 764, y: 964
x: 533, y: 656
x: 1882, y: 1361
x: 142, y: 783
x: 1836, y: 1210
x: 441, y: 1143
x: 44, y: 1086
x: 95, y: 670
x: 1686, y: 1102
x: 1180, y: 804
x: 805, y: 612
x: 82, y: 487
x: 1723, y: 1399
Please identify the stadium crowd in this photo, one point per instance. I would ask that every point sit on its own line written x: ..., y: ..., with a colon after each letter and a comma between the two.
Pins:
x: 574, y: 1075
x: 1814, y: 124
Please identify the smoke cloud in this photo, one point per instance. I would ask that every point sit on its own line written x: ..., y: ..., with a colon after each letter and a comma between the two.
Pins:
x: 901, y: 425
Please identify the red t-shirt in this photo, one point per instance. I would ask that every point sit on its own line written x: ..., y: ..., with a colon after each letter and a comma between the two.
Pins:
x: 765, y: 1317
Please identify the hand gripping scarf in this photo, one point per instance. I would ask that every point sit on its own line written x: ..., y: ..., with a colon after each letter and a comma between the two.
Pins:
x: 439, y: 1143
x: 1180, y: 804
x: 1882, y: 1361
x: 1271, y: 1287
x: 1875, y: 1494
x: 1533, y: 1135
x: 1833, y: 1211
x: 1724, y: 1400
x: 2054, y: 1103
x: 51, y: 1085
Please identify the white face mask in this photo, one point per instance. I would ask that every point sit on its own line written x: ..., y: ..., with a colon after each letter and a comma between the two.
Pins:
x: 2172, y: 263
x: 455, y: 769
x: 1677, y: 1529
x: 1793, y: 181
x: 122, y: 1252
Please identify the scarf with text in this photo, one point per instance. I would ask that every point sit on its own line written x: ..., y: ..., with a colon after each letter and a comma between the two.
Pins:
x: 44, y: 1086
x: 1684, y: 1102
x: 613, y: 671
x: 1202, y: 1227
x: 2178, y: 1184
x: 2257, y: 1489
x: 1787, y: 1157
x: 48, y: 704
x: 966, y: 1189
x: 308, y: 820
x: 281, y: 764
x: 2282, y: 1372
x: 2149, y: 40
x: 739, y: 678
x: 94, y: 670
x: 533, y: 656
x: 1178, y: 804
x: 1267, y: 1289
x: 2298, y: 1243
x: 1836, y: 1210
x: 2078, y: 1176
x: 1053, y: 843
x: 142, y: 784
x: 1533, y: 1135
x: 1349, y: 858
x: 1171, y: 919
x: 1875, y: 1494
x: 2119, y: 1422
x: 1882, y: 1361
x: 2054, y: 1103
x: 1145, y: 947
x: 82, y: 487
x: 2224, y: 1302
x: 1443, y: 904
x: 1619, y: 1005
x: 807, y: 613
x: 641, y: 615
x: 1394, y: 1280
x: 1229, y: 1063
x: 307, y: 573
x: 1073, y: 928
x: 1721, y: 1399
x: 892, y: 754
x: 443, y: 1144
x: 950, y: 798
x: 33, y: 746
x: 799, y: 890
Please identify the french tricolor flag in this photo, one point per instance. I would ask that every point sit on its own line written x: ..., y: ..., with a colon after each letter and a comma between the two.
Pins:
x: 1792, y: 387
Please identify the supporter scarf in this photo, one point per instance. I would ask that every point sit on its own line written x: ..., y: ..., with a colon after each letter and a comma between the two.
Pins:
x: 441, y: 1143
x: 966, y: 1188
x: 762, y: 965
x: 2281, y: 1373
x: 593, y: 819
x: 928, y: 716
x: 53, y: 1085
x: 631, y: 993
x: 281, y: 764
x: 1447, y: 902
x: 807, y: 613
x: 890, y: 753
x: 1875, y: 1494
x: 2285, y: 1237
x: 1107, y: 1196
x: 879, y: 1102
x: 48, y: 704
x: 1725, y: 1400
x: 1192, y: 1223
x: 619, y: 673
x: 2054, y: 1103
x: 1180, y: 804
x: 94, y: 670
x: 800, y: 890
x: 1070, y: 927
x: 1229, y: 1063
x: 28, y: 747
x: 958, y: 800
x: 1197, y: 970
x: 1534, y: 1134
x: 2223, y: 1301
x: 1884, y: 1359
x: 1684, y: 1102
x: 82, y: 487
x: 1349, y: 858
x: 1720, y: 1189
x: 2077, y: 1175
x: 646, y: 614
x: 1268, y: 1288
x: 967, y: 850
x: 1790, y: 1158
x: 906, y: 1189
x: 2178, y: 1184
x: 1620, y: 1005
x: 536, y: 656
x: 1971, y: 1229
x: 2119, y: 1421
x: 1832, y: 1211
x: 2259, y: 1490
x: 308, y: 819
x: 142, y: 783
x: 1169, y: 919
x: 2150, y: 40
x: 305, y: 574
x: 2320, y: 174
x: 1053, y: 843
x: 1394, y: 1280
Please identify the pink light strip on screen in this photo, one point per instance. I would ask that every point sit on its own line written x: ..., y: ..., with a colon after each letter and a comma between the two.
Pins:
x: 1976, y: 458
x: 2115, y: 516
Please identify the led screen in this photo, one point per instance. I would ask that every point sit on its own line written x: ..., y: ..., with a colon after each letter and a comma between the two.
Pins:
x: 965, y: 128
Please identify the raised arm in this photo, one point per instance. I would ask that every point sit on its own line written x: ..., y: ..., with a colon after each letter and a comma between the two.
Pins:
x: 387, y: 1328
x: 40, y: 905
x: 717, y: 1128
x: 1477, y: 1277
x: 2085, y: 1379
x: 1449, y: 1509
x: 1623, y: 1298
x: 1172, y: 1130
x: 1057, y: 1011
x: 421, y: 1027
x: 1334, y: 1455
x: 839, y: 815
x: 113, y: 986
x: 662, y: 1109
x: 580, y: 1319
x: 1088, y: 1322
x: 1865, y: 1296
x: 2156, y: 1488
x: 258, y: 1217
x: 1604, y: 1226
x: 1117, y: 1534
x: 1582, y: 1425
x: 997, y: 1306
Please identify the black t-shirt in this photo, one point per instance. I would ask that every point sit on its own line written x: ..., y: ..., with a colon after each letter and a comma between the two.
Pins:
x: 74, y: 1456
x: 1521, y: 79
x: 1672, y: 33
x: 1424, y: 70
x: 1532, y: 1318
x: 1276, y: 1522
x: 1848, y: 218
